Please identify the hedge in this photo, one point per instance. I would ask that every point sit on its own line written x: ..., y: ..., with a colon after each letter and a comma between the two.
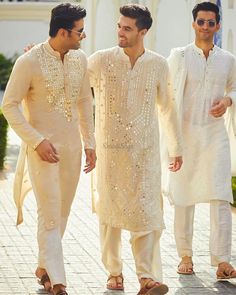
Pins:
x: 234, y: 190
x: 3, y: 139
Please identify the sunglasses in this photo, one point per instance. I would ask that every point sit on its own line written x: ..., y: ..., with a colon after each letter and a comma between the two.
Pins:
x: 211, y: 23
x: 79, y: 32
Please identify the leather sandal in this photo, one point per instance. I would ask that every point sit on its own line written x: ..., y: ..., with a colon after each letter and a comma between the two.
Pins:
x: 43, y: 280
x: 119, y: 284
x: 225, y: 271
x: 156, y: 289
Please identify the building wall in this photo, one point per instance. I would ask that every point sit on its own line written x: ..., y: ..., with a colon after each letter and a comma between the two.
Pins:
x: 22, y: 23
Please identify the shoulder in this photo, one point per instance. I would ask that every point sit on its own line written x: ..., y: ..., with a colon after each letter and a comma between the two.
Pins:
x: 225, y: 54
x: 30, y: 57
x: 105, y: 53
x: 155, y: 57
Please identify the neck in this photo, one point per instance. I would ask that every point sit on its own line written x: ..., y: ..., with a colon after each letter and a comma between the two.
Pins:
x: 206, y: 46
x: 134, y: 53
x: 57, y: 46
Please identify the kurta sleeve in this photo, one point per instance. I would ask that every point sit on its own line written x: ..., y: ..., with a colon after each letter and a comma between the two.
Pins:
x: 16, y: 90
x: 94, y: 68
x: 168, y: 115
x: 85, y: 108
x: 231, y: 83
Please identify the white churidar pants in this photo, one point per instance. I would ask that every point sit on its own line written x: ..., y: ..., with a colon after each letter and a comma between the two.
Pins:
x: 145, y: 248
x: 220, y: 231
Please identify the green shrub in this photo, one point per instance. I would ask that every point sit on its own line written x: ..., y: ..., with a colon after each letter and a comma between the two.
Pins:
x: 6, y: 65
x: 234, y: 190
x: 3, y: 139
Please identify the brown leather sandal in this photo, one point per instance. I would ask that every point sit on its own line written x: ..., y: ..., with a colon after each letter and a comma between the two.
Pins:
x: 225, y: 271
x: 62, y: 293
x: 119, y: 284
x: 156, y: 289
x: 45, y: 279
x: 188, y: 268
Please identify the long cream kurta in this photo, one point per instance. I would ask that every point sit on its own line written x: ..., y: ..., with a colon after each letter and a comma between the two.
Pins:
x: 57, y: 106
x: 206, y: 173
x: 130, y: 103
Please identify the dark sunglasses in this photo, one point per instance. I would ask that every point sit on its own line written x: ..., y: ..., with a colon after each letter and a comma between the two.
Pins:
x: 201, y: 22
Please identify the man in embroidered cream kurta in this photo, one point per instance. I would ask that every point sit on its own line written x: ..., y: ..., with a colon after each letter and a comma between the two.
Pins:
x: 205, y: 83
x: 133, y: 95
x: 52, y: 81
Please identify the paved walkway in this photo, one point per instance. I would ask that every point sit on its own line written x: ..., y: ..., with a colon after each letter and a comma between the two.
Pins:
x: 18, y: 248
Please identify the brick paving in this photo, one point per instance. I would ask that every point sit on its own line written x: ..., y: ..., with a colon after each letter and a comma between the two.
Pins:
x: 18, y: 247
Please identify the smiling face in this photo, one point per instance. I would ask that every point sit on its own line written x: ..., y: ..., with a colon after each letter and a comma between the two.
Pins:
x: 204, y: 30
x: 128, y: 33
x: 75, y: 35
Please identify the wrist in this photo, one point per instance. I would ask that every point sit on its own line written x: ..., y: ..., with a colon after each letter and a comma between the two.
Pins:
x: 228, y: 101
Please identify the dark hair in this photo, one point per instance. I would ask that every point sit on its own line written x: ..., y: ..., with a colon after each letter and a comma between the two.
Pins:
x: 63, y: 16
x: 138, y: 12
x: 206, y: 6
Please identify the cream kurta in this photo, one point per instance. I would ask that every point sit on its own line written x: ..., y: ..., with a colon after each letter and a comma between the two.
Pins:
x: 129, y: 104
x: 57, y: 106
x: 206, y: 173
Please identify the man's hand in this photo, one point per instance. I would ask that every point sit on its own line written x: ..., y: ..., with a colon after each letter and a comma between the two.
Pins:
x: 29, y: 46
x: 219, y: 106
x: 175, y: 164
x: 90, y: 160
x: 47, y: 152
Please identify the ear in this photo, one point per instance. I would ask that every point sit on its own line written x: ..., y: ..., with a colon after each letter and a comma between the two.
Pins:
x: 217, y: 27
x: 62, y: 33
x: 143, y: 32
x: 193, y: 25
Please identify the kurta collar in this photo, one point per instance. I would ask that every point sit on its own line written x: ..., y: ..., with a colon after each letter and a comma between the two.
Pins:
x: 200, y: 51
x: 53, y: 52
x: 126, y: 57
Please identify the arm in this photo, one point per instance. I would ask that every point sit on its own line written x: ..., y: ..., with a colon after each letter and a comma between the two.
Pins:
x: 220, y: 106
x: 169, y: 119
x: 85, y: 108
x: 16, y: 90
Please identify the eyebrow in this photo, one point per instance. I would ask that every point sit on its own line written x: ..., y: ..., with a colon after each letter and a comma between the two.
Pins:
x: 126, y: 27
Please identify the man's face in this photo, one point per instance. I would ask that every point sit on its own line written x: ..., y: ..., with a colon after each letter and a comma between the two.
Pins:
x: 128, y: 33
x: 205, y: 26
x: 75, y: 35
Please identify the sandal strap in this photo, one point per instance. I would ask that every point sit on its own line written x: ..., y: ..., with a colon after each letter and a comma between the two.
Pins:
x: 116, y: 277
x: 62, y: 293
x: 45, y: 279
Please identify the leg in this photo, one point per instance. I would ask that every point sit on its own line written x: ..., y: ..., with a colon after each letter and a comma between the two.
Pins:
x: 221, y: 238
x: 183, y: 230
x: 110, y: 239
x: 48, y: 195
x: 146, y: 252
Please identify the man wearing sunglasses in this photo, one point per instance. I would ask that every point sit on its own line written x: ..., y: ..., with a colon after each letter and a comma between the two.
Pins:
x: 133, y: 97
x: 204, y: 79
x: 52, y: 81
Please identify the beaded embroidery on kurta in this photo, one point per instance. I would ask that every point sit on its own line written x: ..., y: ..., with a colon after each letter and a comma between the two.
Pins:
x: 61, y: 95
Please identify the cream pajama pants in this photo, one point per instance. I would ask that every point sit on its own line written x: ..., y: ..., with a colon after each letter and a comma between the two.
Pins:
x: 220, y: 231
x: 145, y: 247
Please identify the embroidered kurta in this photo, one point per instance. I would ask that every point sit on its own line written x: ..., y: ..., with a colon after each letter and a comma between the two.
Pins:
x: 58, y: 107
x: 206, y: 172
x: 130, y: 103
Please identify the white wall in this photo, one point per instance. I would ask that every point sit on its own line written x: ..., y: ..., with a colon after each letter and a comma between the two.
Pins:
x: 25, y: 22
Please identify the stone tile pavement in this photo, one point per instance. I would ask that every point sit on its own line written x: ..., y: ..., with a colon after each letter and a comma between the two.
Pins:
x: 18, y: 247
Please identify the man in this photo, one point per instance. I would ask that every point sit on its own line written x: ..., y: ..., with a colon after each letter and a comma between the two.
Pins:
x: 205, y: 82
x: 132, y: 94
x: 52, y: 81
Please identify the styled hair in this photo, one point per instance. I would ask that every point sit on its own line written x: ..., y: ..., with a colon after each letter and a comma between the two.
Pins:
x: 138, y: 12
x: 206, y: 6
x: 63, y: 16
